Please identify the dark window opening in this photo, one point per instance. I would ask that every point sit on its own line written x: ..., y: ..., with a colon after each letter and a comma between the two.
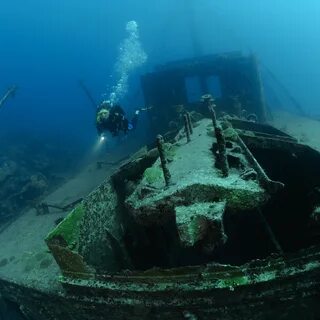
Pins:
x: 214, y: 86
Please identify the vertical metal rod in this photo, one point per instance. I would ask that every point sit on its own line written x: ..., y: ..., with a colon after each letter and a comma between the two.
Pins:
x: 189, y: 123
x: 163, y: 160
x: 186, y: 127
x: 223, y: 160
x: 208, y: 103
x: 213, y: 117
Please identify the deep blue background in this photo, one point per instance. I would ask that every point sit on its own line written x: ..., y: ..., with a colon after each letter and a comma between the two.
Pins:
x: 48, y: 46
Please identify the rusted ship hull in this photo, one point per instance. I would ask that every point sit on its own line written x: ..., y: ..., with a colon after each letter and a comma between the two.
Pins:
x: 279, y: 288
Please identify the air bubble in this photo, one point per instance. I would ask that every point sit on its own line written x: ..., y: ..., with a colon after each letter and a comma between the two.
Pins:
x: 131, y: 56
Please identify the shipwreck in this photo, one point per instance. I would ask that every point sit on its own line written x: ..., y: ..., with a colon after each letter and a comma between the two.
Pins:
x: 217, y: 219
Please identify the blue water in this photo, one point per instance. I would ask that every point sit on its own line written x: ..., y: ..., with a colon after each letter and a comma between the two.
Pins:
x: 48, y: 46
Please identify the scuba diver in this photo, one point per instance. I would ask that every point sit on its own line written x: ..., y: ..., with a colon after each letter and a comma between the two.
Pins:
x: 112, y: 119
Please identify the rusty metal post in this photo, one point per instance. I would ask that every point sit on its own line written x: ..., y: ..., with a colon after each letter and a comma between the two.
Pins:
x: 208, y: 102
x: 213, y: 117
x: 223, y: 160
x: 189, y: 122
x: 186, y: 128
x: 163, y: 160
x: 207, y: 99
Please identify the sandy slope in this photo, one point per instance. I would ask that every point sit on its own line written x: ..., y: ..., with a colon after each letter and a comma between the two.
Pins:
x: 24, y: 256
x: 306, y: 130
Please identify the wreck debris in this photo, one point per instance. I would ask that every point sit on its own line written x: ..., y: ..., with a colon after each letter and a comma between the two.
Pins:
x: 43, y: 208
x: 166, y: 172
x: 201, y: 224
x: 35, y: 187
x: 252, y: 117
x: 187, y: 128
x: 9, y: 93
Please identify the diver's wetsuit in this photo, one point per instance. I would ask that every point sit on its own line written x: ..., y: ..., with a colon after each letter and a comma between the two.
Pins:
x: 116, y: 122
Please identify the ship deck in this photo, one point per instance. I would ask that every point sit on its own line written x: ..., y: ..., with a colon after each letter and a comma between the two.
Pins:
x: 24, y: 257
